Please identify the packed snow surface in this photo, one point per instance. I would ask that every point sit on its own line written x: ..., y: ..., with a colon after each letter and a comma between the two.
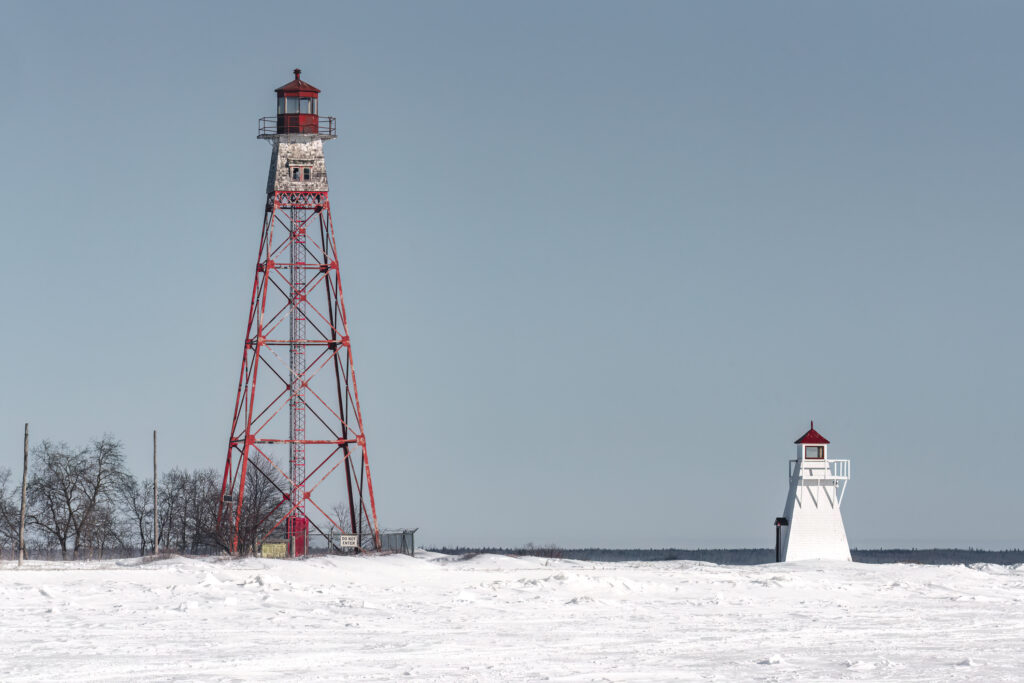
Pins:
x: 490, y: 618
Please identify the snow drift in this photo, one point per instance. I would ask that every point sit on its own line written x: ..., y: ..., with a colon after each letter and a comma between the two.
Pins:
x: 437, y: 617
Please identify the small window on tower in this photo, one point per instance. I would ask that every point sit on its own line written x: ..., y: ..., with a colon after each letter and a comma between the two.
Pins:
x: 814, y: 452
x: 295, y: 173
x: 292, y: 105
x: 306, y: 173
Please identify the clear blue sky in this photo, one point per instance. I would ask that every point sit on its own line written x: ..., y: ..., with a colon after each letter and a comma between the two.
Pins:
x: 603, y: 261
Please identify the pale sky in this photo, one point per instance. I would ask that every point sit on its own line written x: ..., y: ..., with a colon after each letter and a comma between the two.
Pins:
x: 603, y: 262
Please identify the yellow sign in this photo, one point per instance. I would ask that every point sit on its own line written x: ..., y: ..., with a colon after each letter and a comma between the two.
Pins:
x: 274, y: 550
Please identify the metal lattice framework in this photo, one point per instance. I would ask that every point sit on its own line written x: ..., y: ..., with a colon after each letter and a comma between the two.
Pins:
x: 297, y: 390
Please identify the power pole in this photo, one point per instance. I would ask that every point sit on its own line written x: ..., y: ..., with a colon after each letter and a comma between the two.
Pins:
x: 156, y: 522
x: 24, y: 485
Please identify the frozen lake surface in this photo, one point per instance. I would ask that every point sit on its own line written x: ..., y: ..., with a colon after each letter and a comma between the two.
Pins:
x: 491, y: 618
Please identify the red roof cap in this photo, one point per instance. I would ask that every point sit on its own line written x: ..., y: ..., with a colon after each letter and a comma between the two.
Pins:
x: 812, y: 437
x: 298, y: 85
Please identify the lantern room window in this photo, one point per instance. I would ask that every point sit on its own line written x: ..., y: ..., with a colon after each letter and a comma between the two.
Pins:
x: 297, y: 105
x: 814, y: 452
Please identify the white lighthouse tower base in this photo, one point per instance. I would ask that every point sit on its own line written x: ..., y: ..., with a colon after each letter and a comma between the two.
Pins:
x: 815, y: 528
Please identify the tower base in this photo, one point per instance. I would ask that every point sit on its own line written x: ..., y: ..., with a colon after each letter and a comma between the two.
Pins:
x: 815, y: 529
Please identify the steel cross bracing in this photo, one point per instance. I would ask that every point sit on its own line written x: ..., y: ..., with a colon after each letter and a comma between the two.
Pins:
x: 297, y: 303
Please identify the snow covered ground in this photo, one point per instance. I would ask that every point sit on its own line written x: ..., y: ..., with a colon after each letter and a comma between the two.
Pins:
x: 490, y: 618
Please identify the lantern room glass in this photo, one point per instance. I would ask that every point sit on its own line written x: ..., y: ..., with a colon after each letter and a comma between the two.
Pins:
x: 296, y: 105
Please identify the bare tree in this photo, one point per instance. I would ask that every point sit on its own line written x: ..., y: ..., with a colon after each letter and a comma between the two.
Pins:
x: 342, y: 515
x: 175, y: 522
x: 210, y: 488
x: 71, y: 490
x: 135, y: 501
x: 107, y: 529
x: 105, y: 470
x: 172, y: 525
x: 265, y: 502
x: 9, y: 511
x: 54, y: 492
x: 188, y: 509
x: 201, y: 507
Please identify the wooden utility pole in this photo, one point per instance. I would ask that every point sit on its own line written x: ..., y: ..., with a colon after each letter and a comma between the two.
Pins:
x: 24, y: 487
x: 156, y: 522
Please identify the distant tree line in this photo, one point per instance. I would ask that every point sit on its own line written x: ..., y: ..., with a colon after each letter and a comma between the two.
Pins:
x: 85, y: 503
x: 937, y: 556
x: 745, y: 556
x: 734, y: 556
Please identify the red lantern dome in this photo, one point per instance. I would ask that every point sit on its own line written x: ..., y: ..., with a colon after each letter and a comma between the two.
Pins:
x: 297, y: 107
x: 812, y: 437
x: 812, y: 445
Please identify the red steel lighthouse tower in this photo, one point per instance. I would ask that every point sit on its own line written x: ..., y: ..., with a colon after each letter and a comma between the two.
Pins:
x: 297, y: 418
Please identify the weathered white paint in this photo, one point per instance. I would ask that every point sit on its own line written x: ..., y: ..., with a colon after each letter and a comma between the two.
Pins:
x: 297, y: 150
x: 815, y: 530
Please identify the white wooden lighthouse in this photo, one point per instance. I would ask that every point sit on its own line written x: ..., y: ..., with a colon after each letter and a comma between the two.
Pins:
x: 812, y: 528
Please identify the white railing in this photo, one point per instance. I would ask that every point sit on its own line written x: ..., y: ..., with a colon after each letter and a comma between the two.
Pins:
x: 839, y: 469
x: 824, y: 473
